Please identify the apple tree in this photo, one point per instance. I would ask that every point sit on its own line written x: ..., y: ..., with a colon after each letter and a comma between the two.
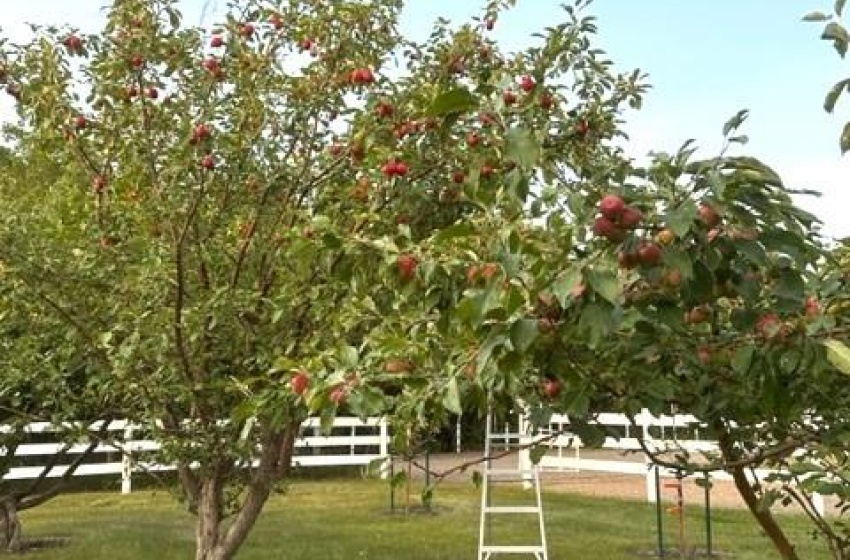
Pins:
x: 49, y: 373
x: 271, y: 218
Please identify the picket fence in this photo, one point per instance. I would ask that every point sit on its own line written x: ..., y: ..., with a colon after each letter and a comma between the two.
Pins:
x: 351, y: 442
x: 658, y: 432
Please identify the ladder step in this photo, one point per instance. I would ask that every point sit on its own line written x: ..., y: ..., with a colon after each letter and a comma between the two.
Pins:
x: 512, y: 509
x: 513, y: 549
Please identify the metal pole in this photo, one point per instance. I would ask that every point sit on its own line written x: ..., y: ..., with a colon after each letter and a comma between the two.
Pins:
x: 392, y: 484
x: 708, y: 516
x: 658, y: 515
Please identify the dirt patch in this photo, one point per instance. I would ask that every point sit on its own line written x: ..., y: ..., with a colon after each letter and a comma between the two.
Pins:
x: 723, y: 493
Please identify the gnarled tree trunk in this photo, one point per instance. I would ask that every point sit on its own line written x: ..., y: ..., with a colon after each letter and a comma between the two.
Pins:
x: 10, y: 525
x: 214, y: 539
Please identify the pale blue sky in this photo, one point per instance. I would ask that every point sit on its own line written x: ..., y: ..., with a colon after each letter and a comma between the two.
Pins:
x: 706, y: 60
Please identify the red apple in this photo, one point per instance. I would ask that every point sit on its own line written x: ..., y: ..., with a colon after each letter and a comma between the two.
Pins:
x: 407, y: 264
x: 611, y: 206
x: 708, y: 215
x: 247, y: 30
x: 473, y: 273
x: 696, y: 315
x: 649, y: 254
x: 98, y: 184
x: 527, y: 84
x: 631, y: 217
x: 217, y: 41
x: 458, y: 177
x: 152, y: 93
x: 299, y: 383
x: 603, y: 227
x: 509, y: 97
x: 73, y: 43
x: 627, y: 260
x: 812, y: 306
x: 486, y: 171
x: 472, y: 139
x: 208, y: 162
x: 551, y: 388
x: 583, y: 127
x: 201, y: 132
x: 276, y: 21
x: 137, y: 61
x: 384, y: 109
x: 339, y: 395
x: 769, y: 326
x: 547, y: 101
x: 80, y: 122
x: 397, y: 365
x: 306, y: 44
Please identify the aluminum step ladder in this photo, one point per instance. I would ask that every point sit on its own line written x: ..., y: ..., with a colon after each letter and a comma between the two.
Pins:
x: 529, y: 476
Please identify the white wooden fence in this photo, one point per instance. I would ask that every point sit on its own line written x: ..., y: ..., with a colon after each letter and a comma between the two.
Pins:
x: 658, y: 432
x: 352, y: 442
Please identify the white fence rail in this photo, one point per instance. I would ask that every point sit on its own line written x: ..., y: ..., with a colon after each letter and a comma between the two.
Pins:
x: 352, y: 442
x: 658, y: 432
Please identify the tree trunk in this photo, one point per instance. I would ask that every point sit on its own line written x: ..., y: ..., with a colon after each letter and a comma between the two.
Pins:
x: 10, y: 525
x: 765, y: 519
x: 210, y: 516
x: 213, y: 541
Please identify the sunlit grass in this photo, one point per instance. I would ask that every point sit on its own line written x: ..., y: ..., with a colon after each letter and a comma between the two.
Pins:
x: 345, y: 519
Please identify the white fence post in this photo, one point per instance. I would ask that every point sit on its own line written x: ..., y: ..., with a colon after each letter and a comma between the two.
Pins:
x: 651, y: 490
x: 384, y: 447
x: 524, y: 455
x: 127, y: 461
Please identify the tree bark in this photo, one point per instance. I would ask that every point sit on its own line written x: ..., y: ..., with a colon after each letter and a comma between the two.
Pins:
x: 764, y: 518
x: 213, y: 542
x: 10, y: 525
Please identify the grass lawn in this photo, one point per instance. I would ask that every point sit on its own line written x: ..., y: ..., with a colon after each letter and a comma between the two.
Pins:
x: 345, y: 519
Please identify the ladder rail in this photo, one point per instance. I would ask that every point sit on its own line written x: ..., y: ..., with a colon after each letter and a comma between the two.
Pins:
x: 530, y: 477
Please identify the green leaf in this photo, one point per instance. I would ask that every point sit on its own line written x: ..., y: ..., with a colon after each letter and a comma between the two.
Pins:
x: 477, y: 479
x: 523, y: 333
x: 838, y: 355
x: 605, y: 283
x: 451, y: 400
x: 834, y: 94
x: 681, y: 218
x: 522, y: 147
x: 844, y: 141
x: 839, y: 7
x: 735, y: 122
x: 537, y: 452
x: 326, y: 421
x: 742, y: 361
x: 598, y: 320
x: 816, y: 16
x: 349, y: 357
x: 790, y: 285
x: 457, y: 100
x: 564, y: 284
x: 462, y: 229
x: 838, y: 35
x: 752, y: 250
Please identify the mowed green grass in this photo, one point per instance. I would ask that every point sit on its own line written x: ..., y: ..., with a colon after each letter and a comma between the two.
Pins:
x: 349, y: 519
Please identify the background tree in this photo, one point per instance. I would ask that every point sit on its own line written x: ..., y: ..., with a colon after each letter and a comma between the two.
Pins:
x: 49, y: 374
